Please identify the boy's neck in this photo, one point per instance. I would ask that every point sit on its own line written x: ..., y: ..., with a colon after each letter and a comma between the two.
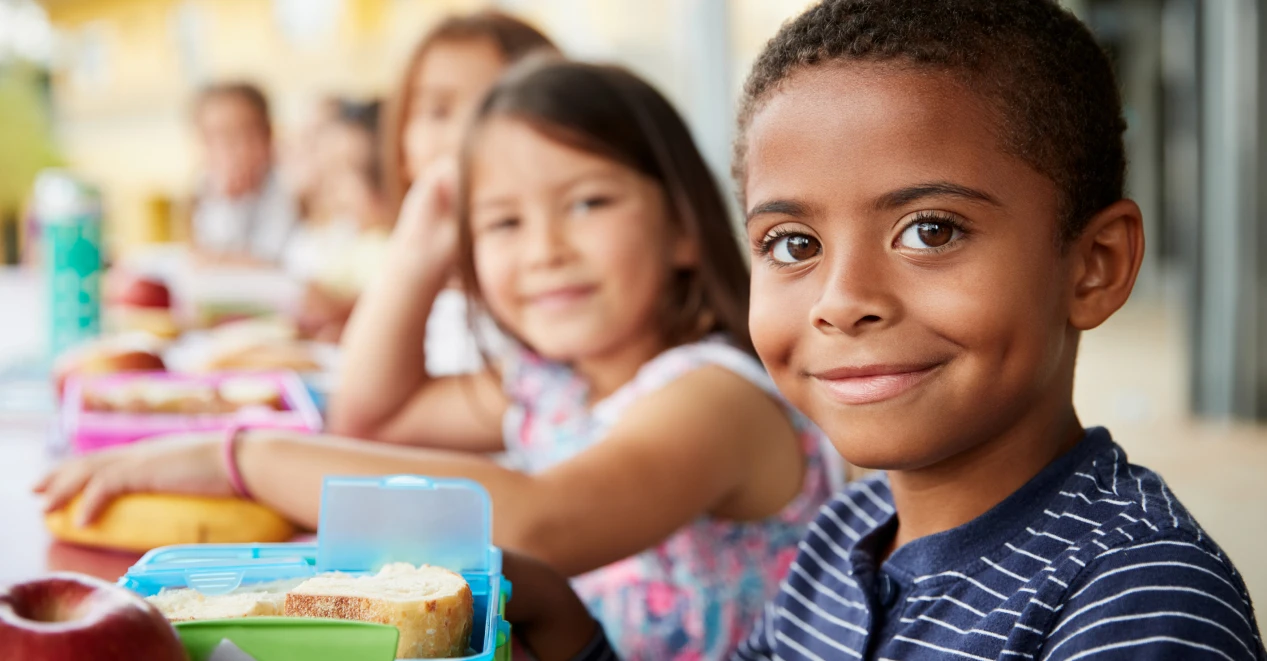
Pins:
x: 957, y: 490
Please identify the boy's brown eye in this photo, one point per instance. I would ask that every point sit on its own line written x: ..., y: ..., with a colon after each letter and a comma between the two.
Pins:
x: 929, y: 234
x: 793, y: 248
x: 935, y: 235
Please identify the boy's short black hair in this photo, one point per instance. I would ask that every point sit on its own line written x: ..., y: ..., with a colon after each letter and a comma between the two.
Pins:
x: 1053, y: 87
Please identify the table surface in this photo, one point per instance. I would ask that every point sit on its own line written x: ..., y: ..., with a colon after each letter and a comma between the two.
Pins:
x: 26, y: 422
x: 26, y: 550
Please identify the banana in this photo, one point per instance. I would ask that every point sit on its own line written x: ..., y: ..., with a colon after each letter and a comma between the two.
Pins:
x: 140, y: 522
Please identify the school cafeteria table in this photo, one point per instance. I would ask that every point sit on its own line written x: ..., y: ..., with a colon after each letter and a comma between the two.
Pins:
x: 26, y: 551
x: 26, y: 422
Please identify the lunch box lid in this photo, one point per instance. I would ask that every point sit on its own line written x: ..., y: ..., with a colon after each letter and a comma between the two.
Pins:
x: 365, y: 523
x: 368, y: 522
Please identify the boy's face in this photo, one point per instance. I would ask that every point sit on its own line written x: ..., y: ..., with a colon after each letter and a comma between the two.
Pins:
x: 908, y: 291
x: 236, y: 145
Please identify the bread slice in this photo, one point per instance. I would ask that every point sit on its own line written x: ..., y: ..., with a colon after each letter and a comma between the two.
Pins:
x: 432, y: 607
x: 185, y: 604
x: 245, y: 391
x: 163, y: 397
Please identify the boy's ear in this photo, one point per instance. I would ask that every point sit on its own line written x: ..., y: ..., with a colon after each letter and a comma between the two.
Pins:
x: 1105, y: 261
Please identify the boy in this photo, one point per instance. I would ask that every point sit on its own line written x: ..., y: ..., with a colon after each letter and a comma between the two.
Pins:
x: 242, y: 214
x: 933, y: 191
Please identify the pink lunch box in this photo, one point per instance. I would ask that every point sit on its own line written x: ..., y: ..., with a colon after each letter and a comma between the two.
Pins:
x: 94, y: 430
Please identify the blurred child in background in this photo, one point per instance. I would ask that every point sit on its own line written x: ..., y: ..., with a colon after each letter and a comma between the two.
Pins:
x: 242, y: 213
x: 342, y: 244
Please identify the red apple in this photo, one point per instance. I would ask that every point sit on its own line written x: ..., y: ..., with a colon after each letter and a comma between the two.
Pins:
x: 72, y: 617
x: 140, y: 292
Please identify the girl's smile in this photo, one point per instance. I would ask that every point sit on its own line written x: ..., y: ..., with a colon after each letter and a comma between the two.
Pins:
x: 560, y: 299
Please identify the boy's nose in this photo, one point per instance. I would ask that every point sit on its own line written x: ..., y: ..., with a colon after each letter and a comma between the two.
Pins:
x: 856, y: 297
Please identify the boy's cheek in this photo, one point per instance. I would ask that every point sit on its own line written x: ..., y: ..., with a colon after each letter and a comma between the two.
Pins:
x: 776, y: 323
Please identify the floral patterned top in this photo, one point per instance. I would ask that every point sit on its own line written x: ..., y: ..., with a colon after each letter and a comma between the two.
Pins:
x: 697, y: 594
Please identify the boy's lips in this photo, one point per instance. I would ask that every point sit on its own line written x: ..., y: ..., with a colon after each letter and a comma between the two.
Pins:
x: 869, y: 384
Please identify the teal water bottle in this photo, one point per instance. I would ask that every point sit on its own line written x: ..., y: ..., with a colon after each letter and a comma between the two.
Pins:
x: 69, y: 214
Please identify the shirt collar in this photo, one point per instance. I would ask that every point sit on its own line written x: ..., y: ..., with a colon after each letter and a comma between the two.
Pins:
x: 984, y: 535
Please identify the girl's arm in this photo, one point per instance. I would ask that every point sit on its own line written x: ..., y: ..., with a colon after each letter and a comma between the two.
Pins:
x: 710, y: 442
x: 384, y: 392
x: 282, y: 470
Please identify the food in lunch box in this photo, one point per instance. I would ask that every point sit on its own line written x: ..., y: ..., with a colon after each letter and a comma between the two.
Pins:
x: 67, y: 616
x: 153, y: 396
x: 164, y: 396
x: 143, y: 521
x: 432, y: 607
x: 186, y: 604
x: 247, y: 391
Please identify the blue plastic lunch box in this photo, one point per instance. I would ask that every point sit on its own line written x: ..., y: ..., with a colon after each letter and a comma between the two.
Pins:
x: 365, y: 523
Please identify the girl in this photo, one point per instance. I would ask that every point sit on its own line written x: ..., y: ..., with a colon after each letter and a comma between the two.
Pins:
x: 449, y: 72
x: 663, y: 469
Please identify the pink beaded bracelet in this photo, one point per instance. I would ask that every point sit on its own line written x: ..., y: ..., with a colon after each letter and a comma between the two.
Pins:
x: 231, y: 461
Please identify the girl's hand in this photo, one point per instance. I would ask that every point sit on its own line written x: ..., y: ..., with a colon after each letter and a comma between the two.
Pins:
x: 184, y: 464
x: 427, y: 229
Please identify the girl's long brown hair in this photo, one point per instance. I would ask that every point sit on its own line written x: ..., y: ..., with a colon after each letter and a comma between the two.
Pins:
x: 513, y: 38
x: 610, y: 112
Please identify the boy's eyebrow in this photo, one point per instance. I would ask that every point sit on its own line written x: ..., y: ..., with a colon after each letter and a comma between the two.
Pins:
x: 905, y: 196
x: 781, y: 207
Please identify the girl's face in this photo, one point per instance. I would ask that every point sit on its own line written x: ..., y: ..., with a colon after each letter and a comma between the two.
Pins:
x: 908, y: 290
x: 448, y: 84
x: 572, y: 251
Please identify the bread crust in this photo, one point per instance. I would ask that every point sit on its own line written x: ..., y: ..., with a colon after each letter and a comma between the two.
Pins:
x: 433, y: 628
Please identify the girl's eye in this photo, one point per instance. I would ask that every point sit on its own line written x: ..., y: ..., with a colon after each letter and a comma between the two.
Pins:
x: 435, y: 111
x: 585, y: 205
x: 501, y: 224
x: 929, y: 234
x: 794, y: 248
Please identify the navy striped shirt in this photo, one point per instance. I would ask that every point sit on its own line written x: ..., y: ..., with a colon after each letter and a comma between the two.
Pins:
x: 1092, y: 559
